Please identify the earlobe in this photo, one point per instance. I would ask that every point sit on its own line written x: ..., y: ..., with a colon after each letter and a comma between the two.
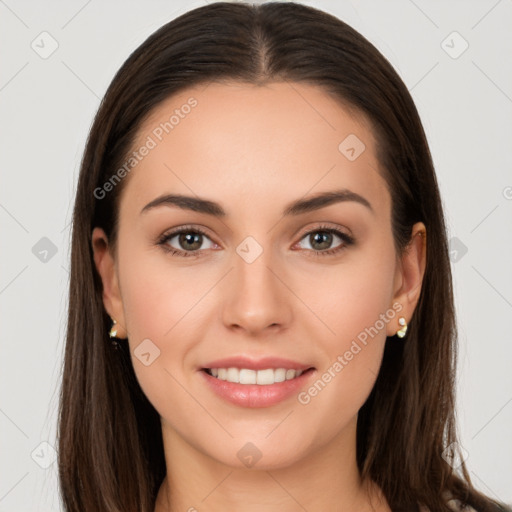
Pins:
x: 105, y: 265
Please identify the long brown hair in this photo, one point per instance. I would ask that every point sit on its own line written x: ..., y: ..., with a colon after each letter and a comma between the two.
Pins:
x: 109, y: 435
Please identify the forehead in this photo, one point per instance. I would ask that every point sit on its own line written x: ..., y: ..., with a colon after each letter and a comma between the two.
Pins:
x: 271, y: 143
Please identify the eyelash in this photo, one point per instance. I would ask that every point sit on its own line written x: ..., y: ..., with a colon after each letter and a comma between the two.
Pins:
x: 162, y: 241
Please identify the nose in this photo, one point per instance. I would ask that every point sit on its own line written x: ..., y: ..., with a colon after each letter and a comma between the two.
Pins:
x: 257, y: 298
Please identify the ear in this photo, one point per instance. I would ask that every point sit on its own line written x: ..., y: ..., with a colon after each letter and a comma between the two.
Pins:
x: 105, y: 265
x: 409, y: 275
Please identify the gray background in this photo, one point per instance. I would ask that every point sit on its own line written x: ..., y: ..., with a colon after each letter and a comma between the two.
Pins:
x: 46, y: 108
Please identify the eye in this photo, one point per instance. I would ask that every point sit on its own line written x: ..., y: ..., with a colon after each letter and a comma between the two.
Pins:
x: 189, y: 240
x: 322, y: 238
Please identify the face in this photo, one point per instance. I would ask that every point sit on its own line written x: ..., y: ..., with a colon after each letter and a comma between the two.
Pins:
x: 320, y: 286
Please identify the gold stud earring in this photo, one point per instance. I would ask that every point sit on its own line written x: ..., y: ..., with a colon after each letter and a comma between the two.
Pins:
x: 401, y: 332
x: 113, y: 329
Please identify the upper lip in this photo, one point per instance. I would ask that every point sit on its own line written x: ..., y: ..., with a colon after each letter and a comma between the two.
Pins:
x: 256, y: 364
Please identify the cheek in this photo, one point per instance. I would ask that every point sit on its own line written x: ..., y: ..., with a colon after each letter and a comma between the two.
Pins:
x: 356, y: 306
x: 156, y: 294
x: 353, y: 306
x: 156, y: 299
x: 158, y: 304
x: 355, y: 295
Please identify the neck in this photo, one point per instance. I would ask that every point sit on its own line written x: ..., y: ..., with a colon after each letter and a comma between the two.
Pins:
x: 326, y: 479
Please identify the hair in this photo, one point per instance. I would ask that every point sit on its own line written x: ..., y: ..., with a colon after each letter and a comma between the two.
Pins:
x: 110, y: 444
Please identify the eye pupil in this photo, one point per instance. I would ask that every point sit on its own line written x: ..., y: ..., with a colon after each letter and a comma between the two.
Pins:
x: 318, y: 236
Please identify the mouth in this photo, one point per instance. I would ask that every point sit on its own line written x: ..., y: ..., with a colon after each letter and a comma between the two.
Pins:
x: 263, y: 377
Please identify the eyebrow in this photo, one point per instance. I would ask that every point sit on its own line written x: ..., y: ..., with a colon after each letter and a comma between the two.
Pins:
x: 300, y: 206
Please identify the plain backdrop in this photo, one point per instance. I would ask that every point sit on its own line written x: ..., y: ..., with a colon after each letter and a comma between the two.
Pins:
x: 56, y: 61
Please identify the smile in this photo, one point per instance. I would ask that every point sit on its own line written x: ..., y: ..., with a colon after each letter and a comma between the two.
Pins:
x: 264, y: 377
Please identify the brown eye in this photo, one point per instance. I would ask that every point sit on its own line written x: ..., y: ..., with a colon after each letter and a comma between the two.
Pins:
x: 189, y: 241
x: 321, y: 240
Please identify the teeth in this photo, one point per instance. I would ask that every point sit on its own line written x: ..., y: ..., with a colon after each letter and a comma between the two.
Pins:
x: 262, y: 377
x: 243, y: 376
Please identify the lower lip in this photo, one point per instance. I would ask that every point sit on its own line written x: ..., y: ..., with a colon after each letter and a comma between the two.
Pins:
x: 256, y: 395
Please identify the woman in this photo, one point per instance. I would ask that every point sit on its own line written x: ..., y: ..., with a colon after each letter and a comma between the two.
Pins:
x: 259, y: 231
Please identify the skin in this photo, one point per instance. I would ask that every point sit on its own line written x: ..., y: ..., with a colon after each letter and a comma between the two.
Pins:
x: 254, y: 149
